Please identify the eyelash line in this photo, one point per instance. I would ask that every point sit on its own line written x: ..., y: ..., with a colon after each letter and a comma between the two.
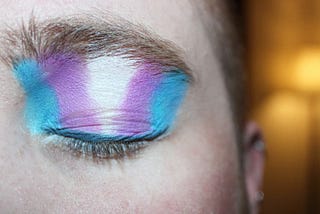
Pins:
x: 105, y: 147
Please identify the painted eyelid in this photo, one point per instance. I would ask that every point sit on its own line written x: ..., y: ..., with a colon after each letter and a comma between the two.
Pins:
x: 158, y: 124
x: 154, y: 90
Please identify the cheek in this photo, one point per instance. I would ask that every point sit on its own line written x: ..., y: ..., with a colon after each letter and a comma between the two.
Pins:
x: 200, y: 173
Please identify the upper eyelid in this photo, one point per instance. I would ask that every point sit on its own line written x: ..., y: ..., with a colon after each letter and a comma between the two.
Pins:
x: 89, y: 37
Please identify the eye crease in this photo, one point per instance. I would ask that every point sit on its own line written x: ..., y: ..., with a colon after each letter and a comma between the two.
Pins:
x: 103, y: 106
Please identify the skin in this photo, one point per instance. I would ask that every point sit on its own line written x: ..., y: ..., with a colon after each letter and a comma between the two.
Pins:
x: 194, y: 170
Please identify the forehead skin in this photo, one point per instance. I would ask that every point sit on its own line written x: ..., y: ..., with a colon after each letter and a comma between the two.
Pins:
x: 195, y: 170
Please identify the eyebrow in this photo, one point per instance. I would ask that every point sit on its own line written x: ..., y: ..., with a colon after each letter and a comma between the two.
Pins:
x: 90, y: 37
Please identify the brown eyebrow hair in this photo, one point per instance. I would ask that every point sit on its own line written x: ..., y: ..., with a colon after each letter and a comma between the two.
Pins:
x: 90, y: 37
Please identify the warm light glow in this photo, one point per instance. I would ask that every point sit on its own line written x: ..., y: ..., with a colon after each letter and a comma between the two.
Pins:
x: 307, y: 75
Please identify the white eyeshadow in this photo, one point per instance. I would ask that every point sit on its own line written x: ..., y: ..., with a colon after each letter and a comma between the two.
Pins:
x: 107, y: 85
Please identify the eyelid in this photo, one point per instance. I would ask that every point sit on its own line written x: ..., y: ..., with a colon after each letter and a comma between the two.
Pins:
x: 114, y: 146
x: 155, y: 94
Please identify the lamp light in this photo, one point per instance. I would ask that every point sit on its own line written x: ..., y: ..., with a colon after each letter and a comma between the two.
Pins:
x: 307, y: 74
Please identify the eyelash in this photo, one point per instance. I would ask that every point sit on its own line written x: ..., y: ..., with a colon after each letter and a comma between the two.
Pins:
x: 103, y: 148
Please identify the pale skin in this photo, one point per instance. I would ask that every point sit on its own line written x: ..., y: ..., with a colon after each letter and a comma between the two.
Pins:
x: 195, y: 170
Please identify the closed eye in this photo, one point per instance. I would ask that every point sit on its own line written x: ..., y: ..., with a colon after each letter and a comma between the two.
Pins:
x: 102, y: 90
x: 97, y: 146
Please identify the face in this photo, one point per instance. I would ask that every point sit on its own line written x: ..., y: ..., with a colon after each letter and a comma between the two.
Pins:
x: 148, y: 133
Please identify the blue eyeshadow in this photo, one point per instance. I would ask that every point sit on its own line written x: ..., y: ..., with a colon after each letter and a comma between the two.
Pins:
x: 41, y: 108
x: 167, y: 99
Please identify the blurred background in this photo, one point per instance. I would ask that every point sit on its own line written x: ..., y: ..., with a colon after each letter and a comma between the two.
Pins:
x: 283, y: 43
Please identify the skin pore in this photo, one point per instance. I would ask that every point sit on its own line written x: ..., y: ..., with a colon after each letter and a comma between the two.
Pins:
x: 195, y: 169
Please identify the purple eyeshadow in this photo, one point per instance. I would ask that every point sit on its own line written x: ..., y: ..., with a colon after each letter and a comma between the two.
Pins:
x: 67, y: 76
x: 135, y: 110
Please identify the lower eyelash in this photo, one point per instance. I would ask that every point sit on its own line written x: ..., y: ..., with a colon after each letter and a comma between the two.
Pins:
x: 103, y: 148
